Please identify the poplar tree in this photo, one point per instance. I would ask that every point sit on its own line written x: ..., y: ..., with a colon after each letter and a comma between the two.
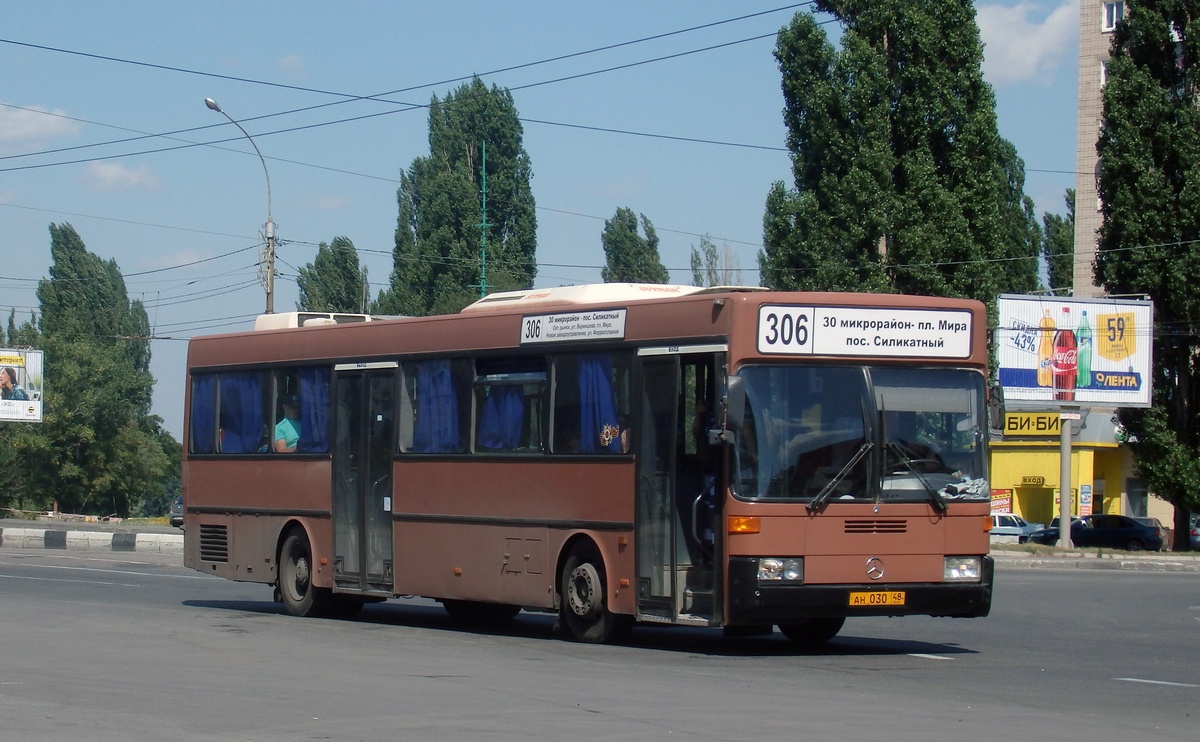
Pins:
x: 628, y: 256
x: 1149, y: 188
x: 713, y: 266
x: 97, y: 450
x: 901, y: 180
x: 438, y: 261
x: 1059, y: 246
x: 335, y: 281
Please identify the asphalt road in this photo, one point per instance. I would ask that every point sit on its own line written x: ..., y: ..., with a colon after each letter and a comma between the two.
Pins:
x: 125, y: 647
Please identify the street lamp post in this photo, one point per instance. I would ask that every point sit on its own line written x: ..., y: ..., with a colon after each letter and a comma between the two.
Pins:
x: 269, y: 228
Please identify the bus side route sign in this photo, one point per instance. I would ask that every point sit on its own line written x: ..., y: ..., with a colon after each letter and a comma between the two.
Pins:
x: 602, y: 324
x: 859, y: 331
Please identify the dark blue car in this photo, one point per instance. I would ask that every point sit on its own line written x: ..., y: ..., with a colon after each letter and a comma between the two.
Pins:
x: 1107, y: 531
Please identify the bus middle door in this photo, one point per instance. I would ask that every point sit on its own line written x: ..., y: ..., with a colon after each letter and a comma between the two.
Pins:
x: 676, y: 487
x: 363, y: 453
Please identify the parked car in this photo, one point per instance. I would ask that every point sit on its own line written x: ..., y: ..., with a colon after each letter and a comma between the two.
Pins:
x: 1009, y: 525
x: 1195, y: 533
x: 175, y: 517
x: 1108, y: 531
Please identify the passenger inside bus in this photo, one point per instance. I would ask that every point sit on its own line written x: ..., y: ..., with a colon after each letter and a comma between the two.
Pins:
x: 287, y: 430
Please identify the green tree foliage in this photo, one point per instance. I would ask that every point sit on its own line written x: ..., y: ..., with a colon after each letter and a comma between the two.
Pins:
x: 1021, y: 236
x: 902, y: 182
x: 1059, y: 245
x: 97, y: 450
x: 1149, y: 187
x: 436, y: 260
x: 335, y: 281
x: 713, y: 266
x: 628, y: 256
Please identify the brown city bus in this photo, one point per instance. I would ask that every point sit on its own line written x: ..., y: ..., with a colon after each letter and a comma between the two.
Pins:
x: 618, y: 453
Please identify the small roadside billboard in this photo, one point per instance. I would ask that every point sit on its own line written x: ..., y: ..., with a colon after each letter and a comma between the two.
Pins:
x: 1067, y: 351
x: 21, y: 385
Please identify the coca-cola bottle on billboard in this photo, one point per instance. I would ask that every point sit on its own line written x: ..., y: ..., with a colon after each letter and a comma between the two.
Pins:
x: 1065, y: 359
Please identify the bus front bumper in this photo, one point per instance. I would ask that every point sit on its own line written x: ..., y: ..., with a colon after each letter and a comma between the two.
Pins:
x: 753, y: 603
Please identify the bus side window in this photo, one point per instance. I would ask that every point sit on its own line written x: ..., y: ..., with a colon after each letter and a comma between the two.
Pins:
x: 510, y: 400
x: 203, y: 418
x: 241, y: 395
x: 589, y: 416
x: 307, y: 388
x: 432, y: 406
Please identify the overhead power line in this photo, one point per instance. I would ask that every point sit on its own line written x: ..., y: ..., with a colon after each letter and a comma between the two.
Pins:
x: 381, y: 97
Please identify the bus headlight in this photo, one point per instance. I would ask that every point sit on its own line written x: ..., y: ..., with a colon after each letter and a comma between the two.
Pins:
x: 963, y: 569
x: 781, y: 569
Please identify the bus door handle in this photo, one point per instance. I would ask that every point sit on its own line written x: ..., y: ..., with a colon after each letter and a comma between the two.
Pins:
x: 696, y: 517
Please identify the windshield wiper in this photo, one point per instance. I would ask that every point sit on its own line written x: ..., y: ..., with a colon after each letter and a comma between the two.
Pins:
x: 938, y: 501
x: 823, y: 495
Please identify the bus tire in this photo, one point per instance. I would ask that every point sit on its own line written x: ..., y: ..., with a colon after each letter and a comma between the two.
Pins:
x: 583, y: 605
x: 300, y: 596
x: 813, y: 632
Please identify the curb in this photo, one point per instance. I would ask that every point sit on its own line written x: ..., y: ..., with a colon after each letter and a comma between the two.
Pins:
x: 1160, y: 564
x: 49, y: 538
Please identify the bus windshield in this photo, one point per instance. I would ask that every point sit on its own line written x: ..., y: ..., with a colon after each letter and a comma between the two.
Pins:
x: 824, y: 433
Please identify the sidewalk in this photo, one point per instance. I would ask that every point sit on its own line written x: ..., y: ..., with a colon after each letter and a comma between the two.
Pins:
x: 49, y: 534
x: 1147, y: 561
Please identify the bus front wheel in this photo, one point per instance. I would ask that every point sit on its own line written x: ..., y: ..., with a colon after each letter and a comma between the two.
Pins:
x: 813, y: 632
x: 300, y: 597
x: 583, y: 606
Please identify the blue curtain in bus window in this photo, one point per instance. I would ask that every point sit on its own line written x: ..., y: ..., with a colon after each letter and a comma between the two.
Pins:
x: 437, y: 409
x: 204, y: 413
x: 503, y: 415
x: 599, y: 428
x: 314, y: 410
x: 241, y: 412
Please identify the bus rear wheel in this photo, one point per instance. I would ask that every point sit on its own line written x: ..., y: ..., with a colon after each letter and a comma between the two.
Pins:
x: 300, y: 597
x: 813, y: 632
x: 583, y: 608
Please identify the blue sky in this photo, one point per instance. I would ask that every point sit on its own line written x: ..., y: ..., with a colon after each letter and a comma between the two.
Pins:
x: 102, y: 110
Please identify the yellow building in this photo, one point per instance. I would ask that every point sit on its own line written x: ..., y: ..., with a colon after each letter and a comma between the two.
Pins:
x: 1025, y: 467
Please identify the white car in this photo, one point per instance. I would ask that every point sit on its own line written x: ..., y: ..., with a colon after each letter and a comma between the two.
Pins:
x: 1012, y: 527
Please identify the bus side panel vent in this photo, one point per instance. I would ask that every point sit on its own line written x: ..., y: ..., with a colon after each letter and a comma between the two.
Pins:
x: 875, y: 525
x: 214, y: 543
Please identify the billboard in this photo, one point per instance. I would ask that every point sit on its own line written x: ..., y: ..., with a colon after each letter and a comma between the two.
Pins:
x: 1069, y: 351
x: 21, y: 385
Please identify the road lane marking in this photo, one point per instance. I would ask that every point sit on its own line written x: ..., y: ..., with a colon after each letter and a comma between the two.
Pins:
x: 78, y: 582
x: 930, y: 656
x: 183, y: 575
x: 1158, y: 682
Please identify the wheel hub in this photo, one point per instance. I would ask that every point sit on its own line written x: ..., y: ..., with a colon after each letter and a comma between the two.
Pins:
x: 301, y: 572
x: 583, y: 591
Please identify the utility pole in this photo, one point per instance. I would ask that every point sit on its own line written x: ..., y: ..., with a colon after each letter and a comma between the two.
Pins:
x: 483, y: 228
x: 269, y: 227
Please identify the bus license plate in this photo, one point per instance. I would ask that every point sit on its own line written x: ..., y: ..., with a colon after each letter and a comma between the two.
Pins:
x: 876, y: 597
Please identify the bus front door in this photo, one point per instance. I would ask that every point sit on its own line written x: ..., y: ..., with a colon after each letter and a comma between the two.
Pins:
x: 674, y: 491
x: 362, y: 478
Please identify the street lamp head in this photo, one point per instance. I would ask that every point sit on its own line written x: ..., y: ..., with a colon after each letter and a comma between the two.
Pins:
x: 212, y: 105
